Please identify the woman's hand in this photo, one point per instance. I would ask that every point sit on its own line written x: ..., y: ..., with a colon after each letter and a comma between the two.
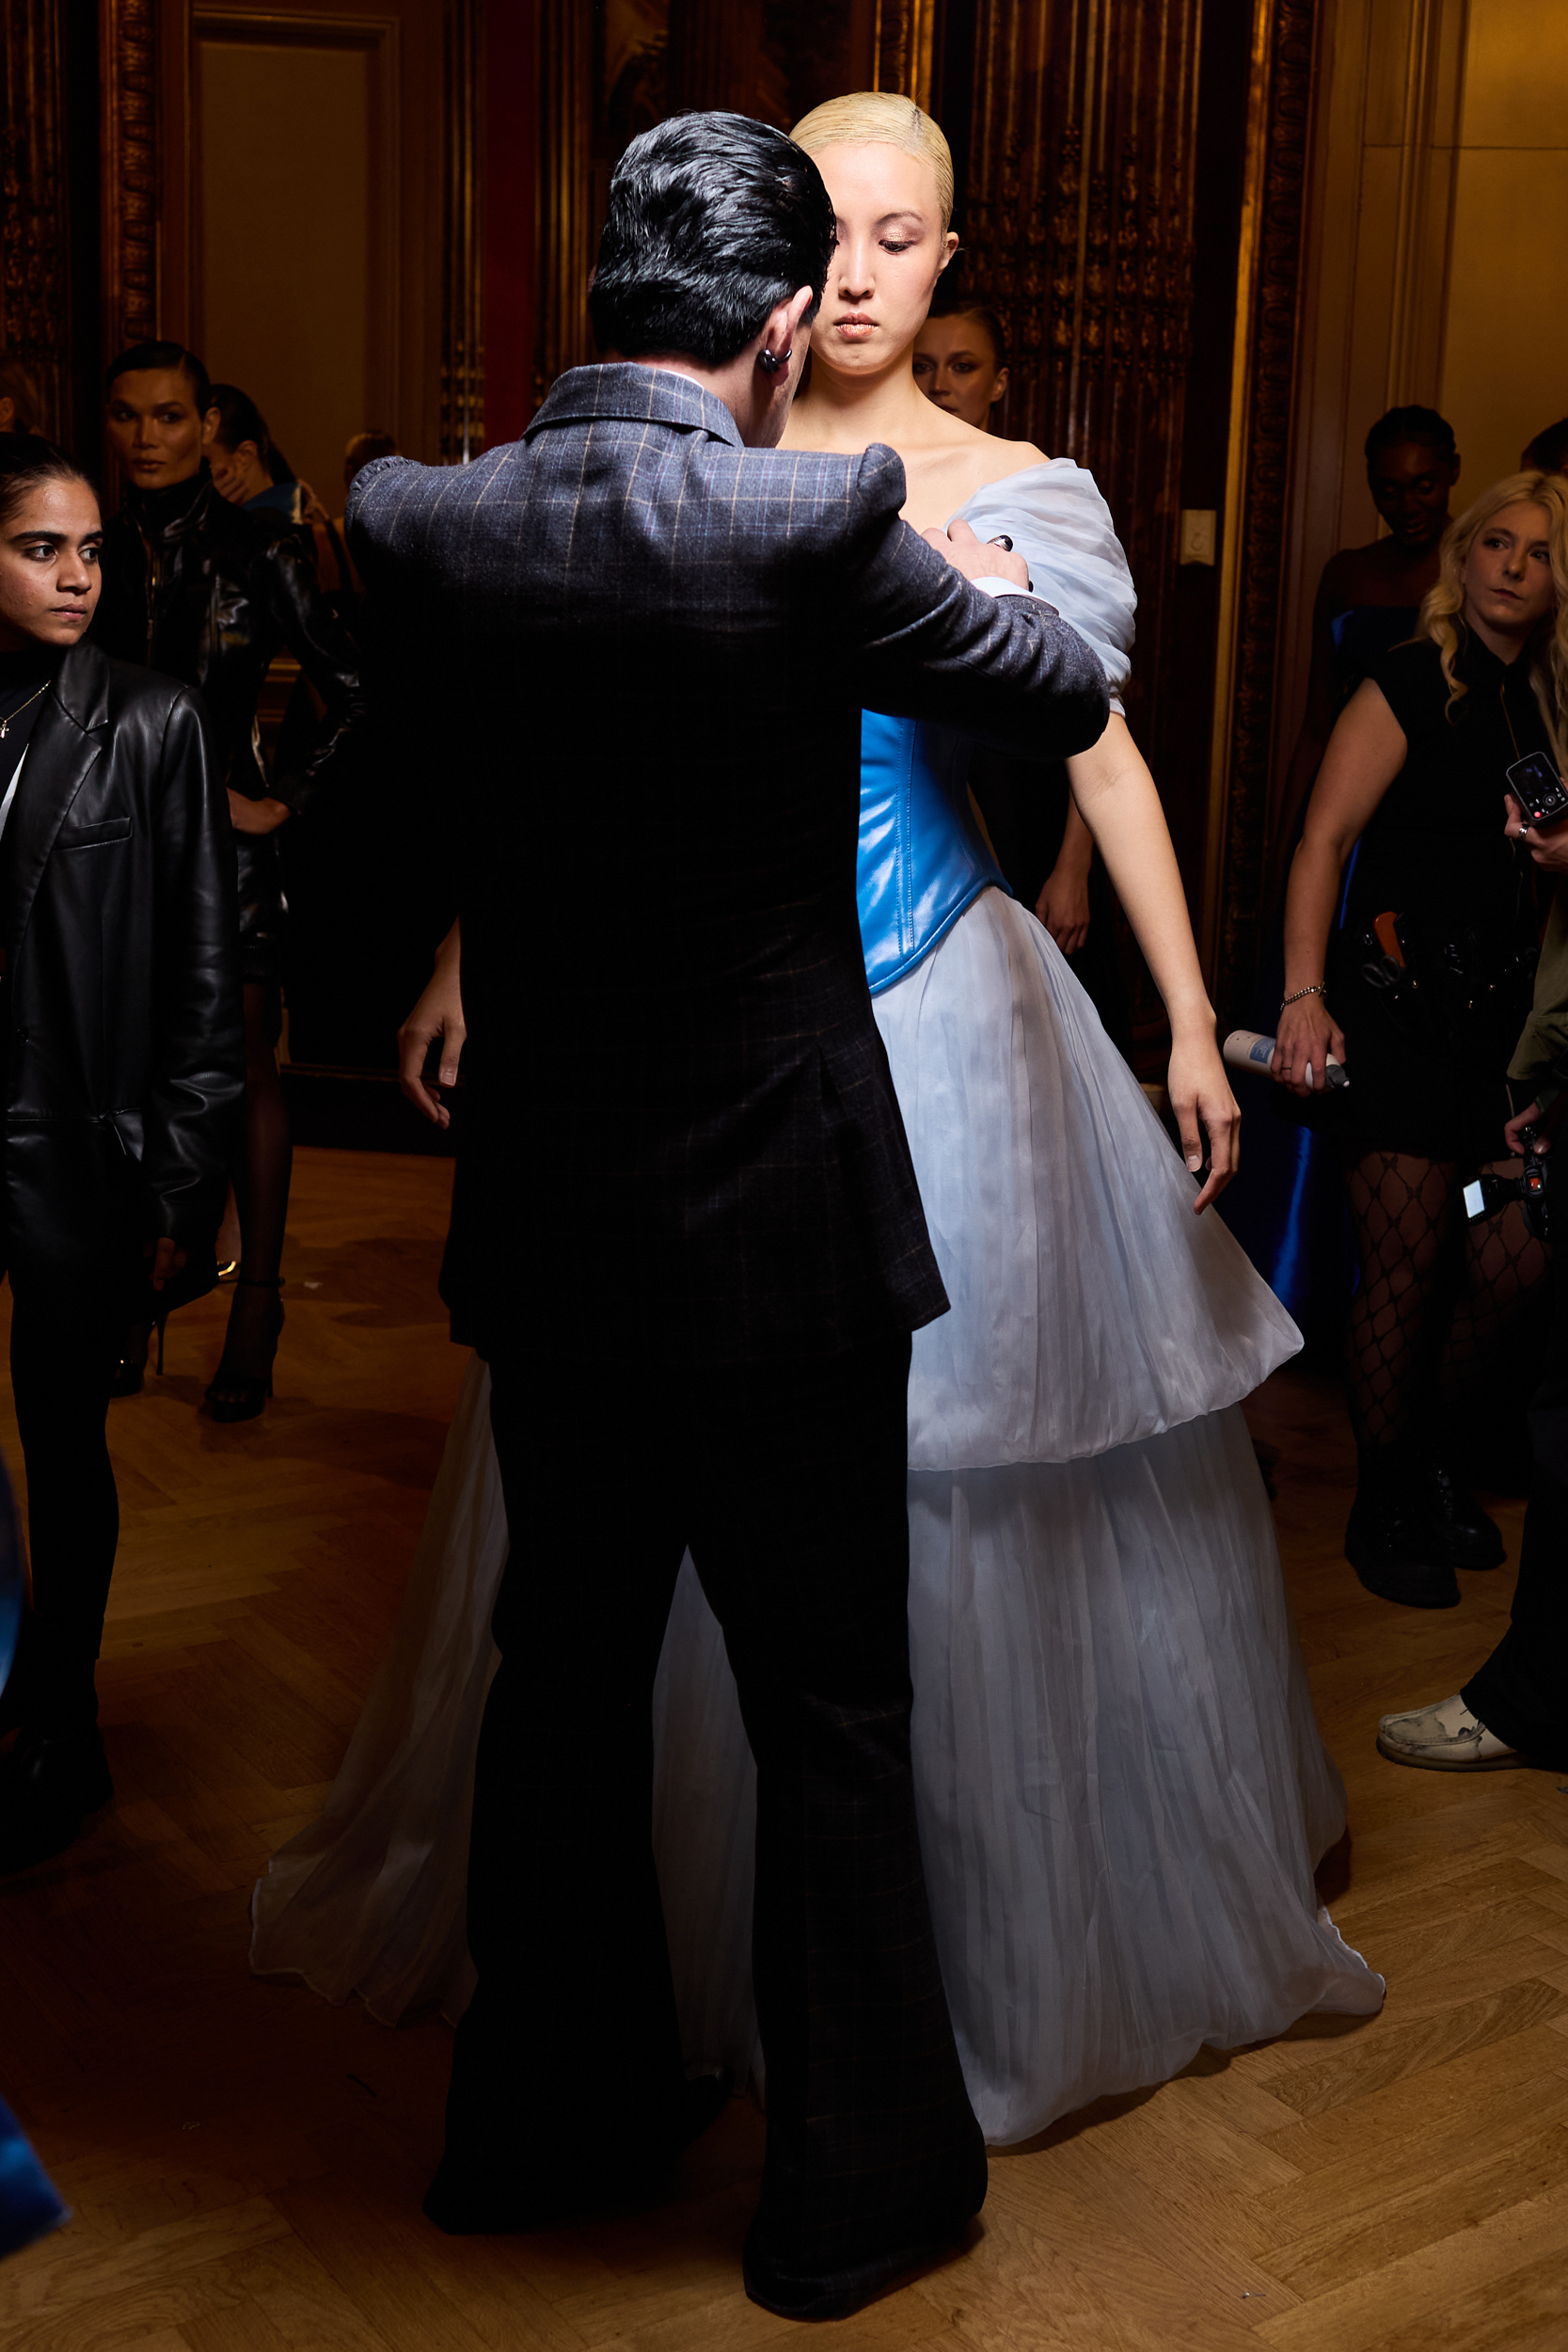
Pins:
x: 1548, y: 846
x: 1204, y: 1105
x: 1308, y: 1032
x: 1063, y: 907
x: 437, y: 1014
x: 256, y: 816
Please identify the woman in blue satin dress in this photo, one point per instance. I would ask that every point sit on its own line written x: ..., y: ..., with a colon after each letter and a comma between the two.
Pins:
x: 1122, y: 1789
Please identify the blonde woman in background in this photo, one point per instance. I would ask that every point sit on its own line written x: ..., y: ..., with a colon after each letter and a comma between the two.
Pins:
x: 1421, y: 991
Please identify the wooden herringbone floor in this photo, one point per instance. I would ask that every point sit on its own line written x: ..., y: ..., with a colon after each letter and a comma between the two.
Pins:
x: 246, y: 2164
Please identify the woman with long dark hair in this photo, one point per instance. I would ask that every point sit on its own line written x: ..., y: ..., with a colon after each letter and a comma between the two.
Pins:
x: 209, y: 595
x: 1421, y: 992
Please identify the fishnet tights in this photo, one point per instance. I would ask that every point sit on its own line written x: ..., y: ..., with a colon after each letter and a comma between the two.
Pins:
x: 1441, y: 1304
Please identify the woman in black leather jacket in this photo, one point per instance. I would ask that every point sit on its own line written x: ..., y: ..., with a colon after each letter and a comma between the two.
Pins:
x: 125, y: 1060
x: 210, y: 593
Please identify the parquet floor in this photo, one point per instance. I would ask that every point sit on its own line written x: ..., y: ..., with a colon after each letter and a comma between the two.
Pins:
x: 246, y: 2164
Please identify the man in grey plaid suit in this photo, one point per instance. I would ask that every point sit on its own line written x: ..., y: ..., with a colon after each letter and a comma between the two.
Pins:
x: 685, y: 1233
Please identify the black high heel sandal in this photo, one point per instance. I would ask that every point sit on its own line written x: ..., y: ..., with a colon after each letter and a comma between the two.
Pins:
x: 128, y: 1375
x: 196, y: 1277
x: 233, y: 1396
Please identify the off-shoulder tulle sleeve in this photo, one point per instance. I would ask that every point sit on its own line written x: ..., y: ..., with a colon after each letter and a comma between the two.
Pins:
x: 1058, y: 522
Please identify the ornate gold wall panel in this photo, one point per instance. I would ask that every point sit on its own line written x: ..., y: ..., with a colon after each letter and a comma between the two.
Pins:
x: 34, y: 325
x: 1258, y: 500
x: 462, y: 266
x: 127, y: 72
x: 564, y: 223
x: 902, y: 36
x: 1077, y: 226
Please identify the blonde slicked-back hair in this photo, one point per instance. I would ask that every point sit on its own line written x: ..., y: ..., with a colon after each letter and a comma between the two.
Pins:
x: 1442, y: 616
x: 878, y: 117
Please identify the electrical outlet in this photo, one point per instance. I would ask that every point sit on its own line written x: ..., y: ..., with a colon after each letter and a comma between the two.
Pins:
x: 1195, y: 543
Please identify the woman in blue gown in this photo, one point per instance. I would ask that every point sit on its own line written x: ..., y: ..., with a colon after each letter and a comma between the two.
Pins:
x: 1122, y: 1789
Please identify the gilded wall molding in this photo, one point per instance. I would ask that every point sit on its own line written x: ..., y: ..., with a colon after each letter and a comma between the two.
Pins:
x: 128, y: 78
x: 1261, y: 406
x: 902, y: 32
x: 1077, y: 228
x: 564, y: 210
x: 34, y: 301
x: 462, y: 261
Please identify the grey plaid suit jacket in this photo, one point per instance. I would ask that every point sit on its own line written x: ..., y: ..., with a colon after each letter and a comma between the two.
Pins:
x: 644, y: 649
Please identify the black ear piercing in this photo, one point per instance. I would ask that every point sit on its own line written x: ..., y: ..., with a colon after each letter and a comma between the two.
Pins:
x: 773, y: 362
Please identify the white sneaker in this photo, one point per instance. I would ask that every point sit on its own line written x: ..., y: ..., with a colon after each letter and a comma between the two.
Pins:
x: 1445, y: 1738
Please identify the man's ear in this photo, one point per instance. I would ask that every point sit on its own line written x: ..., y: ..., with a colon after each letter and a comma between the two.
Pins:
x: 799, y: 302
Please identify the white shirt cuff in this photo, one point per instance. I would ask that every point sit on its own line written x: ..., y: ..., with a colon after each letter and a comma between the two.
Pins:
x: 995, y: 585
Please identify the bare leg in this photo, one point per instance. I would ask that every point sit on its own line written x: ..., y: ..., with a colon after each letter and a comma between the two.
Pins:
x: 261, y: 1175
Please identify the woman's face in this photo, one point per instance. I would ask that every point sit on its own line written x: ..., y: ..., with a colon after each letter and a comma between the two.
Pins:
x: 1410, y: 484
x: 49, y: 574
x: 157, y: 430
x: 238, y: 473
x: 892, y: 248
x: 955, y: 366
x: 1507, y: 572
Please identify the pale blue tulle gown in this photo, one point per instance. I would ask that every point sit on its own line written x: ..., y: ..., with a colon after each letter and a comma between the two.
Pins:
x: 1122, y: 1790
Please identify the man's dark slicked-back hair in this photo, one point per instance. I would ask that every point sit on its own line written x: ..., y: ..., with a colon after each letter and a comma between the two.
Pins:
x: 714, y: 220
x: 160, y: 354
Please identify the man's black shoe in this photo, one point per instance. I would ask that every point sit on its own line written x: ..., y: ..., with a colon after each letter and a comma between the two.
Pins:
x: 849, y: 2291
x: 51, y: 1781
x: 1467, y: 1537
x: 470, y: 2199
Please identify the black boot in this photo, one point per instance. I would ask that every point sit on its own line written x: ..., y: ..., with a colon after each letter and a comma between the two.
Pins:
x: 1393, y: 1539
x: 1468, y: 1538
x: 50, y: 1782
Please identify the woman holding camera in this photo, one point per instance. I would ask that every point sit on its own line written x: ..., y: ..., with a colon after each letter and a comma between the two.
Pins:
x: 1421, y: 990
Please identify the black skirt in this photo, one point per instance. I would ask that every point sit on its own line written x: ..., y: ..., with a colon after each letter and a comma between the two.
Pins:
x: 263, y: 908
x: 1419, y: 1084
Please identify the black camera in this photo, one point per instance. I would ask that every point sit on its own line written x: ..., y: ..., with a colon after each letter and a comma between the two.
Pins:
x: 1488, y: 1195
x: 1538, y: 788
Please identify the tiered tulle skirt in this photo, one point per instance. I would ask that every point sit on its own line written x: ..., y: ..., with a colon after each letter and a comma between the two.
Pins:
x: 1122, y: 1790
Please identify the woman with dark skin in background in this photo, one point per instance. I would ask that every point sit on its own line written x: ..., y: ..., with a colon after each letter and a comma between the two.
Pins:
x: 1367, y: 598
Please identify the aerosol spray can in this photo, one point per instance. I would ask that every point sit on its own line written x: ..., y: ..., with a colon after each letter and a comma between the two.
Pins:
x: 1246, y: 1049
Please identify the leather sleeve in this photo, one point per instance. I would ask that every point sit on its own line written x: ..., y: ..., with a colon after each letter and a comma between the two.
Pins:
x: 192, y: 1108
x: 1007, y: 670
x: 326, y: 653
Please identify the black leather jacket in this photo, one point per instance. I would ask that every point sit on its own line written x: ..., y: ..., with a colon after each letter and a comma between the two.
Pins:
x: 125, y: 1065
x: 210, y: 593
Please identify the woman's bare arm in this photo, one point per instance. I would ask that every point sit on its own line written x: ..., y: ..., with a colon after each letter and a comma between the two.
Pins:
x: 1115, y: 794
x: 1365, y: 754
x: 437, y: 1014
x: 1062, y: 905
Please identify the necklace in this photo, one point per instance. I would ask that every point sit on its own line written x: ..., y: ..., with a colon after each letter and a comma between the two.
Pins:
x: 6, y: 722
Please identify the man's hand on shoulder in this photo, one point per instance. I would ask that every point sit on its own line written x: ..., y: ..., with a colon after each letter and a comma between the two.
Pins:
x: 977, y: 558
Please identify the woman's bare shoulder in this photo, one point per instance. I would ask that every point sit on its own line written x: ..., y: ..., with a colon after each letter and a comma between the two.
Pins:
x: 1002, y: 458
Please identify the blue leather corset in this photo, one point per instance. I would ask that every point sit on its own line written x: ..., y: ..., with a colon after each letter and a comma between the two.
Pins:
x: 922, y: 859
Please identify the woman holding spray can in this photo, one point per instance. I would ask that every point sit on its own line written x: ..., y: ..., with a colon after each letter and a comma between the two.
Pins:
x: 1422, y: 993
